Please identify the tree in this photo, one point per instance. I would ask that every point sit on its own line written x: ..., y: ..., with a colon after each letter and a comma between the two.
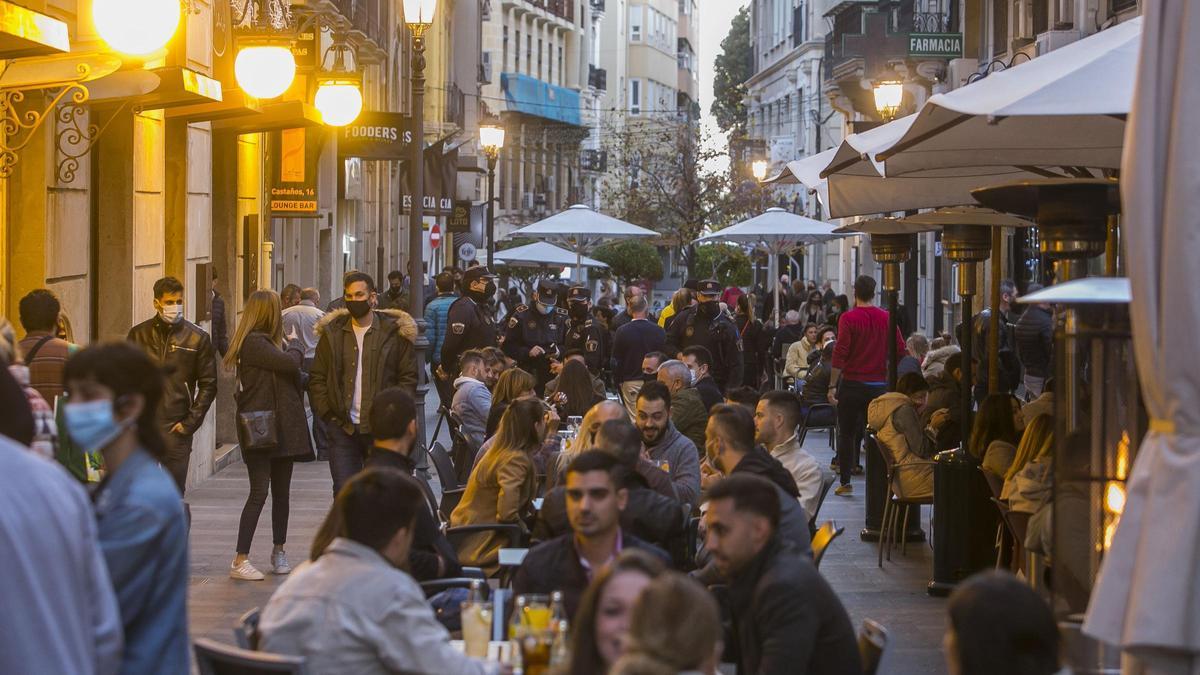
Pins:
x: 727, y: 263
x: 630, y: 260
x: 732, y: 68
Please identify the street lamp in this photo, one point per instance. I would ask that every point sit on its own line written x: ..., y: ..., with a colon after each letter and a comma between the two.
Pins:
x: 759, y: 168
x: 491, y: 138
x: 418, y: 15
x: 265, y: 68
x: 339, y: 94
x: 888, y: 96
x: 136, y: 26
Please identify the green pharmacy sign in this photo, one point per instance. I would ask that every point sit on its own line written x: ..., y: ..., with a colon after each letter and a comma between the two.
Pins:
x: 935, y: 45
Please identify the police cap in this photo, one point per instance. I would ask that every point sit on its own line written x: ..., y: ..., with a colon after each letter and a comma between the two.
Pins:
x: 579, y: 293
x: 709, y: 287
x: 547, y: 290
x: 475, y: 273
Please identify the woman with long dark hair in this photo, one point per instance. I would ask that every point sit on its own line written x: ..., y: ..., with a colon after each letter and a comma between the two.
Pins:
x: 813, y: 311
x: 575, y: 383
x: 754, y: 343
x: 268, y: 382
x: 601, y: 632
x: 114, y: 392
x: 998, y: 419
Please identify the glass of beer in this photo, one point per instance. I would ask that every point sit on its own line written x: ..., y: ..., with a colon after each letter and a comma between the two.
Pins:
x: 476, y: 628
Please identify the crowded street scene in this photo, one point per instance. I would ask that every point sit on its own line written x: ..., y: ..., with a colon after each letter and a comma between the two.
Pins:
x: 599, y: 337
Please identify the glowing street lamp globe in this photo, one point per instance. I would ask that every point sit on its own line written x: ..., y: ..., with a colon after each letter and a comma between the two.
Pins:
x: 759, y: 167
x: 339, y: 102
x: 419, y: 12
x: 888, y: 96
x: 491, y: 138
x: 264, y: 71
x: 136, y: 27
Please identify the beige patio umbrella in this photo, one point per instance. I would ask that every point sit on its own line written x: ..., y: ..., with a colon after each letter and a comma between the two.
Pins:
x: 1146, y: 597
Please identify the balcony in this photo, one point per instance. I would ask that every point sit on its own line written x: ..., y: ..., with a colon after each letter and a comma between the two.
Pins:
x: 597, y: 6
x: 593, y: 160
x: 456, y: 110
x: 531, y: 96
x: 563, y: 9
x: 597, y: 78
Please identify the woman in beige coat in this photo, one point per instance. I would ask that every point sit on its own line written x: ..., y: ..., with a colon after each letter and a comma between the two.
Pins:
x: 896, y: 419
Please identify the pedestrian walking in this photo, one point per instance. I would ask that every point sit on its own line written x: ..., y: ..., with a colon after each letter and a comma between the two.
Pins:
x: 707, y: 326
x: 859, y: 373
x: 631, y: 344
x: 44, y: 352
x: 185, y: 353
x: 300, y: 329
x: 220, y: 329
x: 271, y: 425
x: 361, y: 351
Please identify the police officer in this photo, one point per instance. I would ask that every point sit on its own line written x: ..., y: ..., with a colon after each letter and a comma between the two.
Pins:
x: 469, y: 323
x: 535, y: 335
x: 584, y: 332
x: 705, y: 324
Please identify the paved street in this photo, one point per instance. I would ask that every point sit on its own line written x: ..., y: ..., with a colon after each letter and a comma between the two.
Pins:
x: 894, y: 596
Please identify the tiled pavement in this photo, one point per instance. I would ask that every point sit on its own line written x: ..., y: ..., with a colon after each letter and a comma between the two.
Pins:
x: 894, y: 596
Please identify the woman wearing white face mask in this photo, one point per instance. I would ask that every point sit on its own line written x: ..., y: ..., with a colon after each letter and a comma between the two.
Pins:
x: 114, y: 392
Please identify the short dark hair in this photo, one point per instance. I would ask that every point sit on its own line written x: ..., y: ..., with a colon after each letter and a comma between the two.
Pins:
x: 748, y: 396
x: 659, y: 356
x: 444, y: 281
x: 785, y: 402
x: 911, y: 383
x: 1007, y: 286
x: 749, y: 492
x: 166, y: 285
x: 621, y: 438
x: 864, y: 288
x: 574, y: 352
x: 701, y: 354
x: 813, y: 326
x: 655, y: 391
x: 125, y: 369
x: 377, y: 503
x: 396, y: 274
x: 597, y: 460
x: 39, y: 310
x: 311, y: 294
x: 736, y: 423
x: 953, y: 363
x: 355, y: 276
x: 468, y: 357
x: 392, y: 410
x: 1001, y: 625
x: 289, y: 291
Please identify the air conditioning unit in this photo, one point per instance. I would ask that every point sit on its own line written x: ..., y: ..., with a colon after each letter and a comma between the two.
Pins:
x: 550, y: 183
x: 959, y: 70
x: 527, y: 201
x: 1053, y: 39
x: 485, y: 71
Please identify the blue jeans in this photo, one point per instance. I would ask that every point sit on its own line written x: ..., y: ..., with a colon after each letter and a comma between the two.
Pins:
x: 347, y: 453
x: 853, y: 399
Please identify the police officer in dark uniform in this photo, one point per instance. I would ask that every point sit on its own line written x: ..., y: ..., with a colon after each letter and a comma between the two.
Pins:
x: 469, y: 322
x: 705, y: 324
x: 584, y: 332
x: 535, y: 335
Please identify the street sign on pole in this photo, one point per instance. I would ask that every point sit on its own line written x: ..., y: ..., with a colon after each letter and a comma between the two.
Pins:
x: 467, y: 251
x: 435, y: 235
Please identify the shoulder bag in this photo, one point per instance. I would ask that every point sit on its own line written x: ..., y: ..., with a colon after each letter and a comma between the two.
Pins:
x: 257, y: 429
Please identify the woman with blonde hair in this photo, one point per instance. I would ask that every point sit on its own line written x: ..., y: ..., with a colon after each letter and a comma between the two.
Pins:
x: 512, y: 384
x: 271, y: 425
x: 1028, y: 481
x: 660, y: 643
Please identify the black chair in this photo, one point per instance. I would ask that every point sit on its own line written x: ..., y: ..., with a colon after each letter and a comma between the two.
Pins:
x: 452, y: 489
x: 443, y: 411
x: 826, y: 483
x: 872, y: 643
x: 245, y: 631
x: 995, y: 483
x: 823, y: 538
x: 215, y: 658
x: 831, y: 427
x: 462, y: 450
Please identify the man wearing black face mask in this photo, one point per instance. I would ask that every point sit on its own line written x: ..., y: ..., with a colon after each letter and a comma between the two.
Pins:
x: 707, y: 326
x: 469, y: 324
x: 584, y: 333
x: 534, y: 335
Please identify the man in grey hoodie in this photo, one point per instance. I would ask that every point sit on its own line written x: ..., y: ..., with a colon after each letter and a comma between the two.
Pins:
x: 664, y: 445
x: 472, y: 400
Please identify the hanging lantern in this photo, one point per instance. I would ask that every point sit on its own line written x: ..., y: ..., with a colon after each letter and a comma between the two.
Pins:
x: 339, y: 101
x: 156, y: 22
x: 265, y: 70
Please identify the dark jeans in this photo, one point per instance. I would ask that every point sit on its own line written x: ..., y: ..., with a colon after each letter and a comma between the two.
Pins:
x: 853, y: 399
x: 319, y: 434
x: 278, y: 474
x: 347, y: 453
x: 179, y: 453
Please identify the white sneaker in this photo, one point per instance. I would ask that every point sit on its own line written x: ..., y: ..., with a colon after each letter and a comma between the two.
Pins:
x: 279, y: 563
x: 245, y: 572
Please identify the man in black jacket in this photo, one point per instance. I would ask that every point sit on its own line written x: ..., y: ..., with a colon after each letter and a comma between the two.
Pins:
x: 595, y: 499
x: 1035, y: 345
x: 185, y: 353
x: 699, y: 360
x: 394, y: 427
x: 786, y: 618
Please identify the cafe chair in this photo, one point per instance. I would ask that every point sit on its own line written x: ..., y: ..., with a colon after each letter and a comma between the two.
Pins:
x: 872, y: 643
x: 245, y: 631
x: 452, y: 489
x: 215, y: 658
x: 894, y: 503
x: 831, y: 427
x: 462, y: 450
x: 826, y: 483
x: 823, y: 538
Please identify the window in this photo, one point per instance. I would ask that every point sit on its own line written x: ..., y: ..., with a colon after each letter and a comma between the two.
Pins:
x: 504, y: 50
x: 517, y: 54
x: 635, y: 23
x: 560, y: 64
x: 635, y: 97
x: 539, y: 61
x: 529, y: 51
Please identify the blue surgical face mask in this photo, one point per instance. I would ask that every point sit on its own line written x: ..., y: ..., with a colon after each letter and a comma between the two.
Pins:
x: 92, y: 424
x: 544, y: 308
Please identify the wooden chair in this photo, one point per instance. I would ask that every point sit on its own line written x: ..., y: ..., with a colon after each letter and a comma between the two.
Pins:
x: 872, y: 643
x: 245, y: 631
x: 893, y: 504
x: 215, y: 658
x: 823, y: 538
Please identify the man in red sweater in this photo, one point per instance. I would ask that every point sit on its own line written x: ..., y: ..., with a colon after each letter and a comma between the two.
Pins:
x: 859, y: 373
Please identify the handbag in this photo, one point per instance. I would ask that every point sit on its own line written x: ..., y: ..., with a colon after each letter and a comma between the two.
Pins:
x: 257, y: 429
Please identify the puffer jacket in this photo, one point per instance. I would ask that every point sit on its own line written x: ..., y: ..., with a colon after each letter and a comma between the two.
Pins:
x: 935, y: 361
x: 185, y: 352
x: 390, y: 361
x: 902, y: 435
x: 1035, y: 341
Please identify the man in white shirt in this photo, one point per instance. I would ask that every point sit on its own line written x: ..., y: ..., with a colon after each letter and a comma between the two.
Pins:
x: 353, y: 609
x: 775, y: 423
x: 300, y: 330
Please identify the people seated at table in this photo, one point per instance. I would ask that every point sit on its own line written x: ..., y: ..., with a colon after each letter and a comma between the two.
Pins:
x: 998, y: 423
x: 602, y: 622
x: 943, y: 409
x: 796, y: 363
x: 501, y: 486
x: 730, y: 450
x: 585, y: 439
x: 513, y: 384
x: 999, y: 624
x: 896, y: 419
x: 354, y: 609
x: 699, y: 361
x: 578, y: 388
x: 472, y: 400
x: 915, y: 349
x: 688, y: 413
x: 394, y: 429
x: 816, y: 390
x: 776, y: 419
x: 1028, y: 483
x: 659, y: 642
x: 595, y: 498
x: 934, y: 364
x: 497, y: 362
x: 664, y: 445
x: 786, y: 618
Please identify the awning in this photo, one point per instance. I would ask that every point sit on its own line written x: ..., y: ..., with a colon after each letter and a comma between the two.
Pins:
x: 531, y: 96
x: 282, y: 115
x: 154, y: 88
x: 439, y: 184
x: 233, y: 103
x: 24, y: 33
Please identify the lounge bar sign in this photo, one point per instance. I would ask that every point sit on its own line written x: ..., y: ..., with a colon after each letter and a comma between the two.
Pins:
x: 935, y: 45
x: 293, y: 183
x: 376, y: 135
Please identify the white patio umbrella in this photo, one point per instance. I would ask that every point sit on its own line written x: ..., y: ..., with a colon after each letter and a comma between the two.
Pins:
x: 543, y: 254
x: 1063, y: 109
x: 776, y: 231
x: 580, y: 229
x: 1145, y: 595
